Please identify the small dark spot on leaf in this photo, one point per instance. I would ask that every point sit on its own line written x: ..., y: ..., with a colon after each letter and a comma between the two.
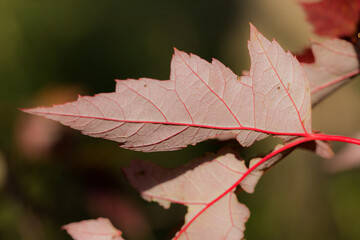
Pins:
x: 145, y: 85
x: 278, y: 87
x: 239, y: 78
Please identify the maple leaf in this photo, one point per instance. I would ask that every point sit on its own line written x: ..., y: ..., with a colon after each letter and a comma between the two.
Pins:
x: 333, y: 18
x: 335, y: 62
x: 201, y: 100
x: 196, y: 185
x: 94, y: 229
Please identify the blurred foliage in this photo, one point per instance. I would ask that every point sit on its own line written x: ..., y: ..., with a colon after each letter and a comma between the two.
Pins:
x: 51, y: 175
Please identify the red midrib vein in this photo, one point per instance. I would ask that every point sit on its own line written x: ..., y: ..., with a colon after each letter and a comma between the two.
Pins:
x: 170, y: 123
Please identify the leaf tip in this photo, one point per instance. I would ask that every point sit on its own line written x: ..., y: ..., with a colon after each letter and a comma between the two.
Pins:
x: 255, y: 35
x: 176, y: 51
x: 27, y: 110
x: 253, y: 29
x: 23, y: 109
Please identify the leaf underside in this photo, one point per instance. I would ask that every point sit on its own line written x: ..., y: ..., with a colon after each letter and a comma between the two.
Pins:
x: 201, y: 100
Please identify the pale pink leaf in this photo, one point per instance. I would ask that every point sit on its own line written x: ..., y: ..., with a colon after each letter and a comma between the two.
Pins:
x: 195, y: 186
x: 94, y: 229
x: 201, y: 100
x: 335, y: 62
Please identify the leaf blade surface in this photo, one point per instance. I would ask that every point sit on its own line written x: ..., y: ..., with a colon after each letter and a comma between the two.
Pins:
x: 195, y: 186
x: 201, y: 100
x: 94, y: 229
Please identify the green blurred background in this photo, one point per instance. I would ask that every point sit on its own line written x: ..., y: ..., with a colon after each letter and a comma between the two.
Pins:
x: 50, y: 175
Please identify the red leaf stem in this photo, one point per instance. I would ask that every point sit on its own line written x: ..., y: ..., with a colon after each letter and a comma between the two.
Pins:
x: 335, y: 138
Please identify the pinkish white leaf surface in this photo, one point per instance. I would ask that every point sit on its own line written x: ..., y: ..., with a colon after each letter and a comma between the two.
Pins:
x: 335, y: 62
x: 201, y: 100
x: 95, y: 229
x: 195, y: 186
